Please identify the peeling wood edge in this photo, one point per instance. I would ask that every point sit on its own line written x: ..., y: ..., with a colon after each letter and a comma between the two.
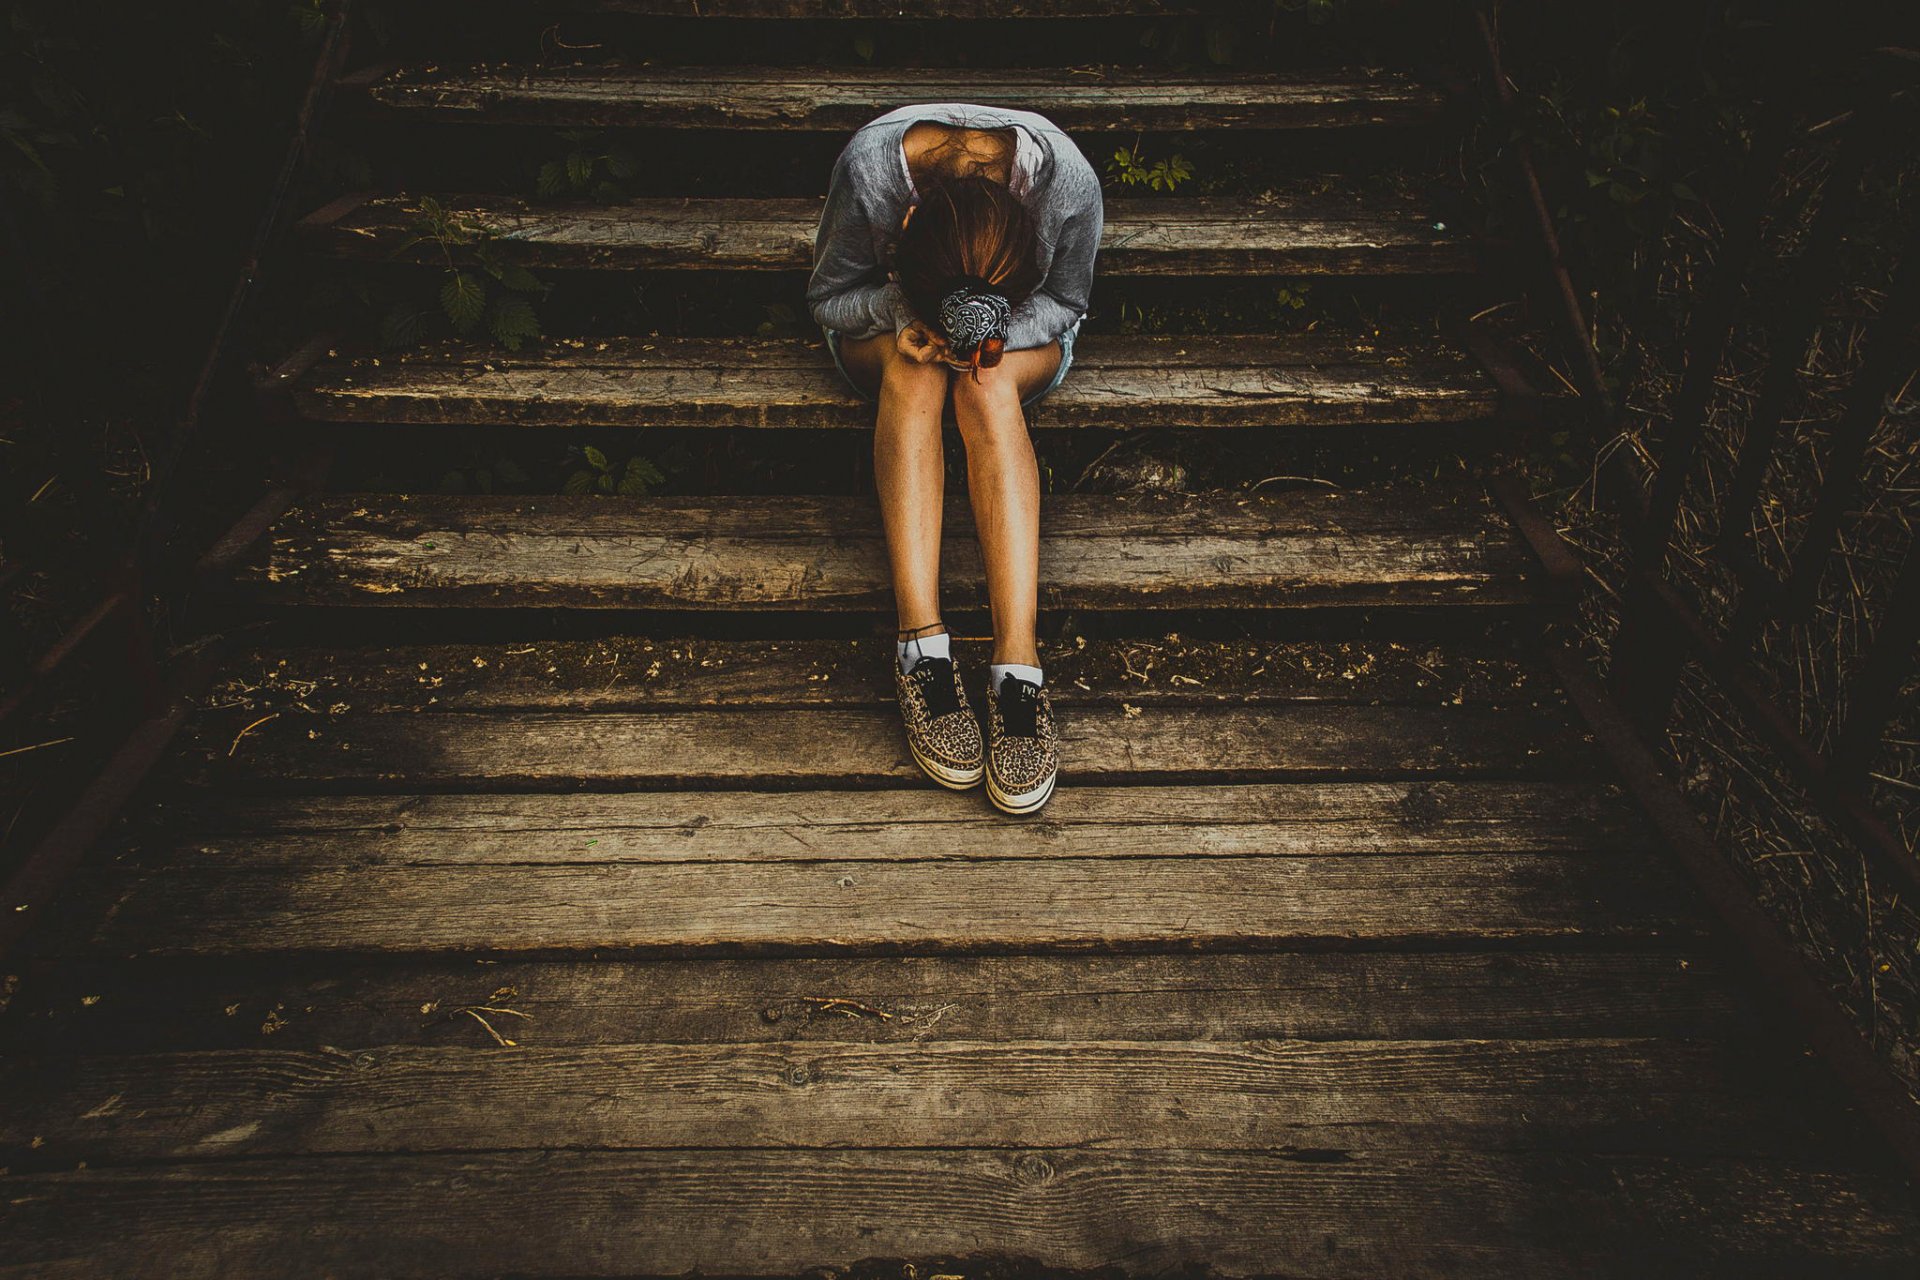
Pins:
x: 355, y: 87
x: 1782, y: 976
x: 232, y: 546
x: 71, y: 641
x: 323, y: 218
x: 47, y: 867
x: 1559, y: 567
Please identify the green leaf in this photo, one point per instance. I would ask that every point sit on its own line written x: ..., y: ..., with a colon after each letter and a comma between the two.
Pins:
x: 401, y: 326
x: 579, y: 168
x: 510, y: 472
x: 604, y: 484
x: 464, y: 299
x: 520, y: 280
x: 640, y: 476
x: 512, y: 321
x: 1220, y: 40
x: 596, y: 459
x: 553, y: 178
x: 577, y: 483
x: 863, y: 45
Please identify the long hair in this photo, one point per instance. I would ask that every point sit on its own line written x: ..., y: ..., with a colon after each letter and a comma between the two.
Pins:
x: 968, y: 230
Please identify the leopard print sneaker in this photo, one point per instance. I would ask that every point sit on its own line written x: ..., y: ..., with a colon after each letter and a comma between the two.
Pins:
x: 942, y: 731
x: 1023, y: 756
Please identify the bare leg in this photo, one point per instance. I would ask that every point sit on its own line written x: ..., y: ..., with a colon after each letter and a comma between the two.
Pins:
x: 909, y: 472
x: 1003, y: 480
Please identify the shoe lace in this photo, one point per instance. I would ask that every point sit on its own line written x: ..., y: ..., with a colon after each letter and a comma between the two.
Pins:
x: 934, y: 676
x: 1019, y: 707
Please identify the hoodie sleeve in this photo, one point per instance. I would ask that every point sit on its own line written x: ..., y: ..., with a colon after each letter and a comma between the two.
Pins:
x: 848, y: 290
x: 1063, y: 297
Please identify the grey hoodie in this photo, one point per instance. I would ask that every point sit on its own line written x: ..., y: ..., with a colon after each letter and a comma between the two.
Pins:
x: 849, y: 290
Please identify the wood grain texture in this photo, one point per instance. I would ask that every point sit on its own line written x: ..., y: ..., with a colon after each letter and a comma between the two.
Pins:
x: 878, y: 9
x: 758, y: 1213
x: 1116, y: 382
x: 1293, y: 550
x: 1314, y: 231
x: 953, y: 906
x: 153, y: 1005
x: 788, y: 99
x: 826, y: 748
x: 1669, y: 1096
x: 1186, y: 821
x: 633, y: 672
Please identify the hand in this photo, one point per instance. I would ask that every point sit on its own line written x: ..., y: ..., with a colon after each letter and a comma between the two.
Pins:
x: 921, y: 345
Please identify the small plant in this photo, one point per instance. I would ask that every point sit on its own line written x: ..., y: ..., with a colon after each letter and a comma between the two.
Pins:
x: 501, y: 475
x: 1317, y: 12
x: 781, y: 322
x: 591, y: 166
x: 1133, y: 170
x: 494, y: 294
x: 1293, y: 295
x: 635, y: 479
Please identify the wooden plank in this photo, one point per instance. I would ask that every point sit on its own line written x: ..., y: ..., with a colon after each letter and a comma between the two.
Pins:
x: 779, y: 1213
x: 1295, y: 550
x: 883, y: 906
x: 1317, y: 230
x: 154, y: 1005
x: 1095, y: 98
x: 820, y: 748
x: 1668, y: 1096
x: 785, y: 826
x: 878, y: 9
x: 623, y: 672
x: 1117, y: 382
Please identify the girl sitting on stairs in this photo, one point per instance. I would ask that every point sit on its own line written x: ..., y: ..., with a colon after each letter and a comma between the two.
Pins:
x: 953, y: 262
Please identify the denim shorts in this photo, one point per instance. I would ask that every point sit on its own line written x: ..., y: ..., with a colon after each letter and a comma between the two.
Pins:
x: 1066, y: 361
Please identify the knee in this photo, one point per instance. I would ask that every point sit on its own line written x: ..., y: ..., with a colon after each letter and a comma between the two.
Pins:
x: 922, y: 381
x: 988, y: 410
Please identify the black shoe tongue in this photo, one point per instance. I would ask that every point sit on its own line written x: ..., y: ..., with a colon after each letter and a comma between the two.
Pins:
x: 935, y: 677
x: 1019, y: 707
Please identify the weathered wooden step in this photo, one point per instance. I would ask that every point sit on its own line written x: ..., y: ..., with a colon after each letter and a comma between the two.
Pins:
x: 148, y: 1005
x: 1307, y: 548
x: 826, y: 747
x: 1325, y: 228
x: 1668, y: 1096
x: 1255, y: 380
x: 637, y: 672
x: 1540, y: 1215
x: 823, y: 870
x: 845, y: 98
x: 878, y: 904
x: 892, y: 9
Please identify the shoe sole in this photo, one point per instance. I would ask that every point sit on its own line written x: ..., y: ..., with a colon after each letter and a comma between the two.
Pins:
x: 951, y: 779
x: 1025, y: 804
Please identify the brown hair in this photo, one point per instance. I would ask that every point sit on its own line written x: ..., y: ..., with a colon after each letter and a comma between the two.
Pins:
x: 967, y: 230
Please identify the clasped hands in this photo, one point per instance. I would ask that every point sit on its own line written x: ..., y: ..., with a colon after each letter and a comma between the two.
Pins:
x: 921, y: 345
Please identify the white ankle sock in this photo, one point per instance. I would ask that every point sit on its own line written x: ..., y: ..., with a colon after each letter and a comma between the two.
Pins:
x: 911, y: 651
x: 998, y: 671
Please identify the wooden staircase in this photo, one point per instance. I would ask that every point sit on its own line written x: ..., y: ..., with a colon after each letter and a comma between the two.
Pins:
x: 546, y: 889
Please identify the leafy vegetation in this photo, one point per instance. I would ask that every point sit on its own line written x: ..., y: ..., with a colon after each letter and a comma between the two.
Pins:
x: 635, y: 478
x: 493, y: 293
x: 1130, y: 168
x: 593, y: 164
